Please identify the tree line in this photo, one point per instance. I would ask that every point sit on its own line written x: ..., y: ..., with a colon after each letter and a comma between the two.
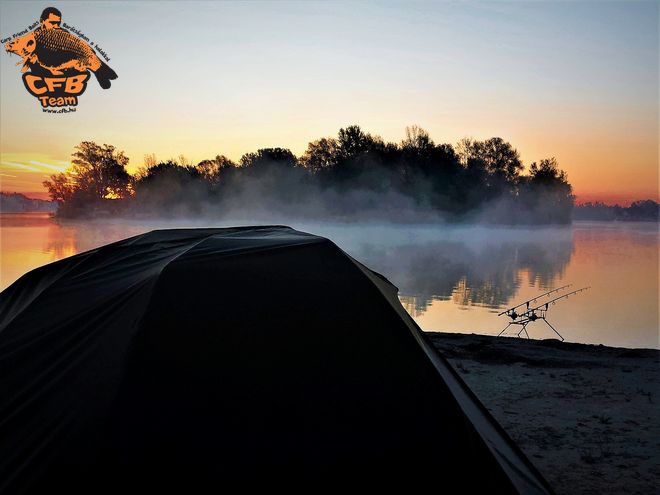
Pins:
x: 645, y: 210
x: 355, y: 174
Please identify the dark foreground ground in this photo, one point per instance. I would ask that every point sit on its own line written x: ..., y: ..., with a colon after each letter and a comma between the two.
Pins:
x: 587, y: 416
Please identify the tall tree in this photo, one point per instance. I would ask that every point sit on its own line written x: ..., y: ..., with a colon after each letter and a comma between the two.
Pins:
x: 498, y: 157
x: 353, y: 142
x: 417, y: 142
x: 501, y: 158
x: 547, y: 192
x: 60, y: 187
x: 98, y: 172
x: 213, y: 169
x: 269, y: 157
x: 321, y: 155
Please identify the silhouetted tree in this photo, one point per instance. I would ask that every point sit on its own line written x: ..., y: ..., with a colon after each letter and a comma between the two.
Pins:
x: 101, y: 171
x: 498, y: 158
x: 169, y: 185
x: 269, y: 157
x: 645, y: 210
x: 60, y: 187
x: 98, y: 173
x: 595, y: 211
x: 546, y: 193
x: 213, y: 170
x: 357, y: 155
x: 501, y: 159
x: 321, y: 155
x: 355, y: 172
x: 150, y: 160
x: 417, y: 142
x: 547, y: 172
x: 430, y: 173
x: 353, y: 142
x: 183, y: 161
x: 169, y: 170
x: 491, y: 173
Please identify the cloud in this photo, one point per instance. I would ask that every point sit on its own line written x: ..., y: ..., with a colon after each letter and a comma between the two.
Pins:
x: 21, y: 166
x: 57, y: 168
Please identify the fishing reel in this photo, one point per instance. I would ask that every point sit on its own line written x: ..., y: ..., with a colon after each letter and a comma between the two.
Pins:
x: 536, y: 313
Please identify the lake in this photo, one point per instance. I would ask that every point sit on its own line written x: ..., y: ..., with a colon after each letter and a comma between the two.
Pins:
x: 450, y: 278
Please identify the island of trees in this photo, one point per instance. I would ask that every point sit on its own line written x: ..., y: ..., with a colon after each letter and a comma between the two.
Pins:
x: 350, y: 176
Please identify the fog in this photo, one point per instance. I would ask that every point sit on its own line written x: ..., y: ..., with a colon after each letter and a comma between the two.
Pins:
x: 450, y: 277
x: 281, y: 195
x: 426, y: 260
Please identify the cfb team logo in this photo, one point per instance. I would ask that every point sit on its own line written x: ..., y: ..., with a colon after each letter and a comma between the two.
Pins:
x: 56, y: 63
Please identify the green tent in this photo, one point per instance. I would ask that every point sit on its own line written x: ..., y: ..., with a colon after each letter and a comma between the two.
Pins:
x: 203, y: 357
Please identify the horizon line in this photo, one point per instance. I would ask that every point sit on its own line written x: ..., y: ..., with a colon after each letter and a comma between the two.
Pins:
x: 593, y: 198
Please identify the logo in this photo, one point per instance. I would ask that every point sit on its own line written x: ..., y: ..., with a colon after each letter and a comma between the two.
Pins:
x: 56, y: 64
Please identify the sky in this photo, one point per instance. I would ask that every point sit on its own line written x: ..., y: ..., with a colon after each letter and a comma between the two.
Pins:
x: 575, y: 80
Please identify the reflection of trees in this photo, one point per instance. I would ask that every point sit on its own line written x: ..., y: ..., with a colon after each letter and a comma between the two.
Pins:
x: 487, y: 275
x: 544, y: 263
x: 68, y: 238
x: 468, y: 266
x: 414, y: 305
x: 60, y: 242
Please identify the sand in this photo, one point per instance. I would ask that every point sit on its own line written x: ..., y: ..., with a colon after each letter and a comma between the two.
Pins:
x: 587, y: 416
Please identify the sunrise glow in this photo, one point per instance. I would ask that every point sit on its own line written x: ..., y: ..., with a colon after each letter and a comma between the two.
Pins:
x: 577, y: 81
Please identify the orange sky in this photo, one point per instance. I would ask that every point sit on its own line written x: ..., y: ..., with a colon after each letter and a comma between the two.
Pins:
x: 577, y: 81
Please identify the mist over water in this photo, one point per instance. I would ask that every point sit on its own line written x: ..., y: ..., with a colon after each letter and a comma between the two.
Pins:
x: 452, y: 278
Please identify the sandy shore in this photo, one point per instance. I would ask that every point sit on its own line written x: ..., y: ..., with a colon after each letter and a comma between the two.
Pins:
x: 588, y: 416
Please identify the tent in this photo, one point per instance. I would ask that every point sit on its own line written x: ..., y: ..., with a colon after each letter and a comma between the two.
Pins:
x: 201, y: 357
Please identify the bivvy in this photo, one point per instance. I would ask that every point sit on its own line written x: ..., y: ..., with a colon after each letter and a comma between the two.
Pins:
x: 195, y: 358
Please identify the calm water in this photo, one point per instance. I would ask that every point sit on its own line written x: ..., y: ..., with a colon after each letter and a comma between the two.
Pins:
x: 450, y: 278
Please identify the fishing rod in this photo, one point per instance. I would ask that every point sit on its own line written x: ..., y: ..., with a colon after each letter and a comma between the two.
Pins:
x: 553, y: 301
x: 531, y: 315
x: 511, y: 312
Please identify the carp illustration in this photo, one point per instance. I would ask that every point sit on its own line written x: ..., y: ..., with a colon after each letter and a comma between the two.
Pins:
x: 57, y: 50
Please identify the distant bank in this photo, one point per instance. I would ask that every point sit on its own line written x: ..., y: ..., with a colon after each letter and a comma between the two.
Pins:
x: 20, y: 203
x: 645, y: 210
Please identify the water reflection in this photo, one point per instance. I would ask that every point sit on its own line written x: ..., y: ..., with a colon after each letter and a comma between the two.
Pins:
x: 67, y: 238
x: 30, y: 240
x: 469, y: 274
x: 450, y: 278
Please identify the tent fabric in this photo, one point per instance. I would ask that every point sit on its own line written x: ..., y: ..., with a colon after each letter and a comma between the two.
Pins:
x: 199, y: 357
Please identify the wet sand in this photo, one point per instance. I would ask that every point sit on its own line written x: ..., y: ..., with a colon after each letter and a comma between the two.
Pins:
x: 587, y: 416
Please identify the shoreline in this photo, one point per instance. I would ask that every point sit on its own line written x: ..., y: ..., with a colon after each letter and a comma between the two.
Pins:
x: 587, y: 416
